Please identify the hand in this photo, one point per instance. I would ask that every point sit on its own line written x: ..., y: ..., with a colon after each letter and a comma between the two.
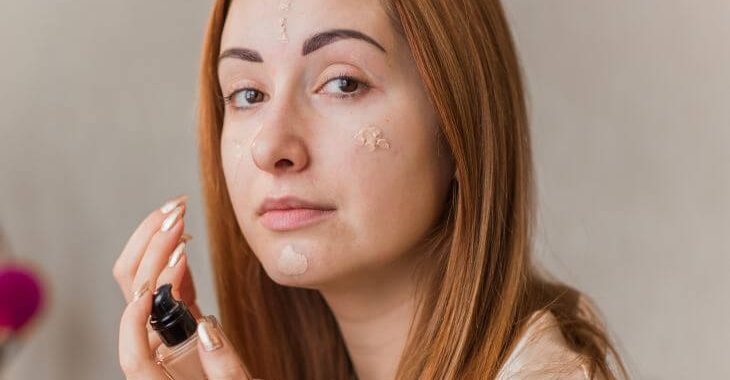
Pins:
x: 147, y: 261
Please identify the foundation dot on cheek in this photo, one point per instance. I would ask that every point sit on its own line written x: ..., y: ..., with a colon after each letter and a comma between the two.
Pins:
x: 238, y: 146
x: 372, y: 138
x: 291, y: 262
x: 239, y: 156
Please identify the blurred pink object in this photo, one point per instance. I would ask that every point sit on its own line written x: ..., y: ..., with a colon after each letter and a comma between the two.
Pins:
x: 21, y: 301
x: 21, y: 296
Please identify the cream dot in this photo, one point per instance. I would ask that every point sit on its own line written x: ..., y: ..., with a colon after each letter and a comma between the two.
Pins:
x: 291, y: 262
x: 372, y: 138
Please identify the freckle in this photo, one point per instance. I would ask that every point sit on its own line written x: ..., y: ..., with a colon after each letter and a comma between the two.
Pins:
x: 372, y: 138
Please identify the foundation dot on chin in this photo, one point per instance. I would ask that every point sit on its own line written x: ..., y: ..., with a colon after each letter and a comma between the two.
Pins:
x: 291, y: 262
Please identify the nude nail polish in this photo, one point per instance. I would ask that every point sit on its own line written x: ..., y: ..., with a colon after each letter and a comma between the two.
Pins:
x: 173, y: 203
x: 208, y: 335
x: 171, y: 219
x: 176, y: 254
x: 177, y: 328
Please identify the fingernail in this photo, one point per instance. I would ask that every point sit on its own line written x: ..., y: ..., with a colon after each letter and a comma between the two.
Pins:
x: 176, y: 254
x: 141, y: 291
x: 172, y: 204
x: 208, y: 336
x: 171, y: 219
x: 186, y: 237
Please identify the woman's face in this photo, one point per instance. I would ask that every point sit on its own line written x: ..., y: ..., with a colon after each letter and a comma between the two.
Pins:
x: 341, y: 121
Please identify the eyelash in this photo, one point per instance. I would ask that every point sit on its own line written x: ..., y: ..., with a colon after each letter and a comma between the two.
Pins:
x: 364, y: 86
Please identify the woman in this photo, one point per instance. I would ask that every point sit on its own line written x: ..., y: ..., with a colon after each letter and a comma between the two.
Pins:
x: 368, y: 181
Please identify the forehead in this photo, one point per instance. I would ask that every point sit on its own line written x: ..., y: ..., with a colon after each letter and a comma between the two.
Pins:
x: 257, y: 24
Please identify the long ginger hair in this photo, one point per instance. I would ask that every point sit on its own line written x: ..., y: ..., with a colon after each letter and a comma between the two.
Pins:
x: 481, y: 286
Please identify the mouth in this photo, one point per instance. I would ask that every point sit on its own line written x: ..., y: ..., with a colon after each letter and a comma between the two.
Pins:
x: 291, y: 213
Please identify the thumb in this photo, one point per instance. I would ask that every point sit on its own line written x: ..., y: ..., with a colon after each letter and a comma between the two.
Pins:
x: 219, y: 359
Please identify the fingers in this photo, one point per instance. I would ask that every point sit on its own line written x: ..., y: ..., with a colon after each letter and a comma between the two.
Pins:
x: 178, y: 274
x: 219, y: 359
x: 155, y: 253
x: 176, y: 266
x: 128, y: 261
x: 135, y: 355
x: 162, y: 244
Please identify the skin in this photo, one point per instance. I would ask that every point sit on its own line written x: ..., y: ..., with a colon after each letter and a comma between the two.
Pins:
x: 293, y: 135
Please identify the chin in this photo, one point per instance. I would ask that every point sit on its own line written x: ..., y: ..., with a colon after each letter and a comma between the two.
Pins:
x: 309, y: 257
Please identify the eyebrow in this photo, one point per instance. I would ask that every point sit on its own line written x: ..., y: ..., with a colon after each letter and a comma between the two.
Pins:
x: 312, y: 43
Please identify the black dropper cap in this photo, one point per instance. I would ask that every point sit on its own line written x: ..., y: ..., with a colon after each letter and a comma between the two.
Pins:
x: 171, y: 318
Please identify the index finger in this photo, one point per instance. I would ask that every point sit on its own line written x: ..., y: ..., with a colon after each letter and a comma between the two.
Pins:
x: 128, y: 261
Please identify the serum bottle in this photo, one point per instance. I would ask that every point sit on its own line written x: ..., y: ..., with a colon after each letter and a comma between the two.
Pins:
x: 176, y: 326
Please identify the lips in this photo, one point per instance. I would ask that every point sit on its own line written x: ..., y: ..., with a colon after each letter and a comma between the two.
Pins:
x: 289, y: 213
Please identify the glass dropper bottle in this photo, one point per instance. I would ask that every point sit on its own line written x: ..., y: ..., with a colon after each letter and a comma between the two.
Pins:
x: 176, y: 326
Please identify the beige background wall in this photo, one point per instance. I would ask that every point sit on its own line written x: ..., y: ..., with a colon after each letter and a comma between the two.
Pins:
x: 629, y: 106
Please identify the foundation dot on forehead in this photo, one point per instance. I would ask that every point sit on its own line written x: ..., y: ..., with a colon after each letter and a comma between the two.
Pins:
x: 291, y: 262
x: 284, y: 5
x: 282, y: 25
x: 372, y: 138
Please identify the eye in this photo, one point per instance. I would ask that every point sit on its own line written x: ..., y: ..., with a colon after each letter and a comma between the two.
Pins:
x: 345, y: 86
x: 244, y: 98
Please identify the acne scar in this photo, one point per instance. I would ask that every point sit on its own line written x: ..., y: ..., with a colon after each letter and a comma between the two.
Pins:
x: 291, y: 262
x: 372, y: 138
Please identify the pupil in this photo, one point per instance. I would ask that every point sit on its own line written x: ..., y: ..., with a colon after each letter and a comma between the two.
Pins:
x: 344, y: 85
x: 250, y: 95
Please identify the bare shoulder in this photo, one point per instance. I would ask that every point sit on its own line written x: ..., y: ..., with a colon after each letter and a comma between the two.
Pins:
x: 543, y: 353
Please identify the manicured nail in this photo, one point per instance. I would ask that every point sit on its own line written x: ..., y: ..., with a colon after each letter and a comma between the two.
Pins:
x: 208, y: 336
x: 176, y: 254
x: 173, y: 203
x: 141, y: 291
x: 171, y: 219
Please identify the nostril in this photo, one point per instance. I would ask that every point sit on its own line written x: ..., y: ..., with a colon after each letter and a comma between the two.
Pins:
x: 284, y: 162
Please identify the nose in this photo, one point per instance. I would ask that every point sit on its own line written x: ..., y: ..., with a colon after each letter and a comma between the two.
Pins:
x: 279, y: 146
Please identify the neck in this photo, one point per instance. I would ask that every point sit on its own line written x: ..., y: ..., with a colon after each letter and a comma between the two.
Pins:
x: 374, y: 312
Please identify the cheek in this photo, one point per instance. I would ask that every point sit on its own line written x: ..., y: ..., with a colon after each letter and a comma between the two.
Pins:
x: 238, y: 169
x: 394, y: 182
x: 232, y: 151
